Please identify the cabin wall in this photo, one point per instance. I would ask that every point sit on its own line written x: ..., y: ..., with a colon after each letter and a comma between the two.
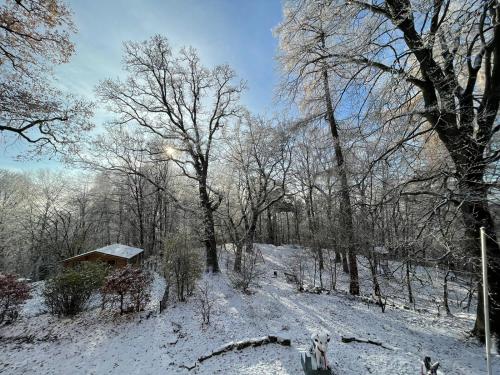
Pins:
x: 105, y: 258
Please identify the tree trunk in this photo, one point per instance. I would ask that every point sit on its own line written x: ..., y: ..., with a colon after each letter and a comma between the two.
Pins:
x: 333, y: 283
x: 237, y: 258
x: 249, y: 240
x: 345, y: 200
x: 476, y: 214
x: 287, y: 228
x: 445, y: 293
x: 270, y: 227
x: 408, y: 282
x: 212, y: 264
x: 345, y: 264
x: 321, y: 259
x: 250, y: 235
x: 297, y: 226
x: 373, y: 269
x: 211, y: 243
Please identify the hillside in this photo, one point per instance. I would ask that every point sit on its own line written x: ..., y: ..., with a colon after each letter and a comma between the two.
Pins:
x: 98, y: 342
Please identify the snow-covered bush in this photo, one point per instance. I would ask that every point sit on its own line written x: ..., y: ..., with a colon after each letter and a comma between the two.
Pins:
x: 205, y: 302
x: 69, y: 292
x: 297, y: 265
x: 13, y: 293
x: 129, y: 286
x: 249, y: 274
x: 183, y: 265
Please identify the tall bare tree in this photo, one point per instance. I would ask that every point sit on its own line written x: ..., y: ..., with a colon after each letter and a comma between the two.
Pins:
x: 181, y: 106
x: 450, y: 50
x: 437, y: 65
x: 259, y: 160
x: 302, y: 36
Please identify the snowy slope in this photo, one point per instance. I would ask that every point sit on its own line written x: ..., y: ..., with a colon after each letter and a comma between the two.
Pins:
x: 103, y: 343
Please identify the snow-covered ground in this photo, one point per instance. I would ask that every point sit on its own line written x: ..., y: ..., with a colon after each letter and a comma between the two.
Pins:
x: 98, y: 342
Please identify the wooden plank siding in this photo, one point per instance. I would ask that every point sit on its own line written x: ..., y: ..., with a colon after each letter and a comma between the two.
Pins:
x: 111, y: 260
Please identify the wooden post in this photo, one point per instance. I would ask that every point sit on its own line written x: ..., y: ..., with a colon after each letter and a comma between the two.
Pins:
x: 484, y: 262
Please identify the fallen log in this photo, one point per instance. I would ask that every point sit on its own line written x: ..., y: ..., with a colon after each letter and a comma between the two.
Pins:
x: 364, y: 341
x: 238, y: 345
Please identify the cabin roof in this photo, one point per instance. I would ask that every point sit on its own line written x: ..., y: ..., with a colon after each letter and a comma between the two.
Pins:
x: 117, y: 250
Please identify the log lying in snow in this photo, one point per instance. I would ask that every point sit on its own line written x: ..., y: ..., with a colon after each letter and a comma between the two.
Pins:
x: 364, y: 341
x: 238, y: 345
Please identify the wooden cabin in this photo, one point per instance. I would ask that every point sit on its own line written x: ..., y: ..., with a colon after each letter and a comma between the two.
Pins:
x: 116, y: 255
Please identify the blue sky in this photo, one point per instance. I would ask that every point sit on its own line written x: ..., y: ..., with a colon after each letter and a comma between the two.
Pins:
x: 236, y: 32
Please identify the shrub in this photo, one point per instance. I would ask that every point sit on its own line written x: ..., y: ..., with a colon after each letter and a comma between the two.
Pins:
x: 297, y: 265
x: 13, y: 293
x: 183, y: 265
x: 249, y: 274
x: 130, y: 286
x: 205, y: 302
x: 69, y: 292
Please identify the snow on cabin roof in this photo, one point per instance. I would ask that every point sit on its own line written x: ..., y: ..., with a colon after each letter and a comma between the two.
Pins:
x: 117, y: 250
x: 120, y: 250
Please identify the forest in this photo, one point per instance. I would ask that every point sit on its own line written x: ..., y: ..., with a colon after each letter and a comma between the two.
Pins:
x: 362, y: 192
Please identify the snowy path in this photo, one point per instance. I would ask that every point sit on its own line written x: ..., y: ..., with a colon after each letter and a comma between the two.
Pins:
x: 96, y: 343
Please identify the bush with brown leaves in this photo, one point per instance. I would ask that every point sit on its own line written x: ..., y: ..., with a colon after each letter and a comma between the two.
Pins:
x: 13, y: 293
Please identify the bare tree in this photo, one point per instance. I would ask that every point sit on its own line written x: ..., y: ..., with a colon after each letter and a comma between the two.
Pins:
x: 181, y: 105
x: 35, y: 36
x: 306, y: 76
x: 259, y: 158
x: 439, y: 63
